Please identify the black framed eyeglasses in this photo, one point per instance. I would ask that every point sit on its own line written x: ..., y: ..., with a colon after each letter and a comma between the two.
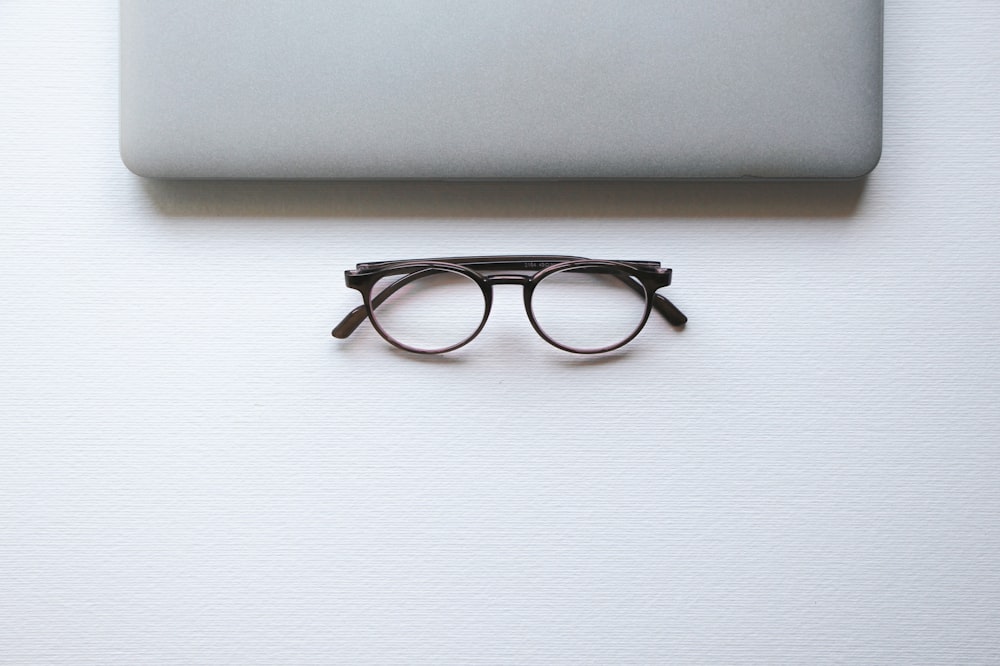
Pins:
x: 432, y: 306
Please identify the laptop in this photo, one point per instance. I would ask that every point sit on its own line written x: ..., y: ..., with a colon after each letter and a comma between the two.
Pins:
x: 512, y: 89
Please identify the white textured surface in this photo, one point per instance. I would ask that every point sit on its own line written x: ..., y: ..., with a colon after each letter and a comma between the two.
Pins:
x: 192, y: 471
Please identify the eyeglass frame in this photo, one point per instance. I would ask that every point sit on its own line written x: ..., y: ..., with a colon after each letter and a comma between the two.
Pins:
x: 648, y: 276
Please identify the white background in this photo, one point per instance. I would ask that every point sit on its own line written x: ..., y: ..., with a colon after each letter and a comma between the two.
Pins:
x: 193, y: 471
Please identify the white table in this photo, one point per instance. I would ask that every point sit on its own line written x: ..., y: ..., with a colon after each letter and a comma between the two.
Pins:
x: 193, y: 471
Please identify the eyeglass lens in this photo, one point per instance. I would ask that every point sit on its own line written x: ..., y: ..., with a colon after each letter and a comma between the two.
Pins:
x: 429, y: 310
x: 588, y: 308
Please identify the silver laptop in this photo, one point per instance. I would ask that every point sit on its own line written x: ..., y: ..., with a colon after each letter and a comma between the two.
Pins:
x: 490, y: 89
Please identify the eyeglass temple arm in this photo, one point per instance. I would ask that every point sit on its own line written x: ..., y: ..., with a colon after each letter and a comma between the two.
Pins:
x: 661, y: 303
x: 502, y: 262
x: 350, y: 323
x: 669, y: 311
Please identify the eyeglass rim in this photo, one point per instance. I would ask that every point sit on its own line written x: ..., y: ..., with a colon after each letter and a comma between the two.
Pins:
x: 538, y: 278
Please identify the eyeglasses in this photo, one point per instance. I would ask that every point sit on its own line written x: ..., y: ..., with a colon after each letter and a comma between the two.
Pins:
x: 432, y: 306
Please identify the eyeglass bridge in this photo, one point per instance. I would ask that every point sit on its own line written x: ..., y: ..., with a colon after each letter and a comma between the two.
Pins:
x: 507, y: 278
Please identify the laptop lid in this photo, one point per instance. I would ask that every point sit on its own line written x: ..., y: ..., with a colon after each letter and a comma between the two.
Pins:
x: 513, y: 89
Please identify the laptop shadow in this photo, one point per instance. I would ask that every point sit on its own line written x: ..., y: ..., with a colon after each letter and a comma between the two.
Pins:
x: 505, y: 199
